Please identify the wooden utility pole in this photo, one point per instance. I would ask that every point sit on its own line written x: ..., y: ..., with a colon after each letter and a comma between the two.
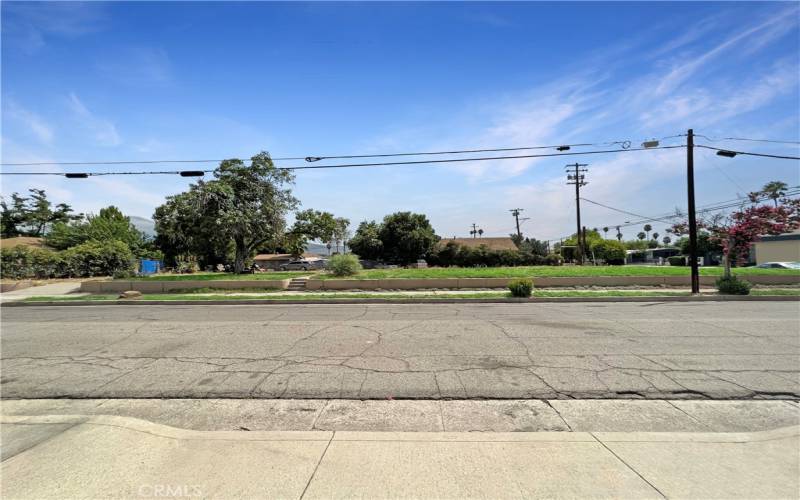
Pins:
x: 576, y: 176
x: 515, y: 212
x: 474, y: 231
x: 691, y: 210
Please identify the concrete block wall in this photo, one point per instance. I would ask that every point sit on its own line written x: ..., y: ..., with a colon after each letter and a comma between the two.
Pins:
x: 422, y: 284
x: 169, y: 286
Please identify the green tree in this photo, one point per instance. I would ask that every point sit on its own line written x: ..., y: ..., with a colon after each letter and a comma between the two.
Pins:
x: 641, y: 235
x: 605, y: 232
x: 406, y: 237
x: 341, y: 232
x: 33, y: 215
x: 775, y: 190
x: 245, y: 205
x: 613, y: 252
x: 315, y: 225
x: 647, y: 228
x: 655, y: 236
x: 109, y: 224
x: 667, y: 240
x: 187, y: 227
x: 366, y: 242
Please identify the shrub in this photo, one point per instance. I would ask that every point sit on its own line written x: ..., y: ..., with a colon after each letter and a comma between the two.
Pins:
x: 184, y: 266
x: 733, y: 286
x: 521, y: 287
x: 677, y: 260
x: 95, y: 258
x: 21, y: 262
x: 554, y: 259
x: 611, y: 251
x: 344, y: 264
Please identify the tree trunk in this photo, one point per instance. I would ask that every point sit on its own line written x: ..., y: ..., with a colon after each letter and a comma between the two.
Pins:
x: 241, y: 255
x: 726, y: 260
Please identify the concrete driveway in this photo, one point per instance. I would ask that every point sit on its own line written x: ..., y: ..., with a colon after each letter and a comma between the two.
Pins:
x: 507, y: 351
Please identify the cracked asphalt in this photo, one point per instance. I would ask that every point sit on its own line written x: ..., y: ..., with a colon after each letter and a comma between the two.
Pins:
x: 719, y: 350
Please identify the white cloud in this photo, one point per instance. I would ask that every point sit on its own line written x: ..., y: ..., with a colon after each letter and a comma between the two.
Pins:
x: 105, y: 132
x: 40, y: 129
x: 758, y: 36
x: 27, y: 26
x: 138, y: 66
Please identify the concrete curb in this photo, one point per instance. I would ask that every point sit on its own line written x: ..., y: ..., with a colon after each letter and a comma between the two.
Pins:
x: 167, y: 431
x: 411, y: 300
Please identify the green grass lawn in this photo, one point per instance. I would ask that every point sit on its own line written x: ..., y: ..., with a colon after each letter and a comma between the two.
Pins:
x: 550, y: 271
x: 281, y: 275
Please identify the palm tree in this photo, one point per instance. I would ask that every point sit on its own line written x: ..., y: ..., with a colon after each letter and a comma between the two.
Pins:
x: 667, y: 240
x: 647, y: 229
x: 641, y: 235
x: 605, y: 232
x: 775, y: 190
x: 480, y: 233
x: 655, y: 237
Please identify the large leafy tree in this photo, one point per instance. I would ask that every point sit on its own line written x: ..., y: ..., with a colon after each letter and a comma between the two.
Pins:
x: 244, y: 206
x: 406, y: 237
x: 110, y: 224
x: 315, y: 225
x: 366, y: 242
x: 32, y: 215
x: 186, y: 227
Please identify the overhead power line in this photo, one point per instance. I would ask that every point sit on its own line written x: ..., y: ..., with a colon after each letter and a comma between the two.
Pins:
x: 712, y: 207
x: 376, y: 164
x: 732, y: 153
x: 624, y: 144
x: 773, y: 141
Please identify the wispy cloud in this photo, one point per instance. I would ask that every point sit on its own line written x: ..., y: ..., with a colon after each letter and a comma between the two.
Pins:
x: 104, y: 131
x: 32, y: 122
x: 27, y: 26
x: 137, y: 66
x: 758, y: 36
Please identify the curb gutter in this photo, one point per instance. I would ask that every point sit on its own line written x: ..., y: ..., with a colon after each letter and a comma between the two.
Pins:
x: 532, y: 300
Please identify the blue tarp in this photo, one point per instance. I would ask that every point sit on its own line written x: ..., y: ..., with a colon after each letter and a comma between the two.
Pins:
x: 147, y: 266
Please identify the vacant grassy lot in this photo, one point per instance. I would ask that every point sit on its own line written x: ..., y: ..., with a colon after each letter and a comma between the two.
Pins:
x: 282, y: 275
x: 549, y: 271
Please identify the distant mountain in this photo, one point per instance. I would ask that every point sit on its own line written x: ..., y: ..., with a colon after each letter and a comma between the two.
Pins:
x: 147, y: 226
x: 317, y: 249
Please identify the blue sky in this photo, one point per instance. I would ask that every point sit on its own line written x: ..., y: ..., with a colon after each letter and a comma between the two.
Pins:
x: 138, y: 81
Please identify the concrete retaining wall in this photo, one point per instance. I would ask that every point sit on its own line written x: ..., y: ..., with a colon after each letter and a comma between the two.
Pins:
x: 169, y: 286
x: 422, y: 284
x: 466, y: 283
x: 17, y: 285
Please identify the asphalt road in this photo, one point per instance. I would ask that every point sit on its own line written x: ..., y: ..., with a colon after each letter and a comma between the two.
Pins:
x: 599, y: 350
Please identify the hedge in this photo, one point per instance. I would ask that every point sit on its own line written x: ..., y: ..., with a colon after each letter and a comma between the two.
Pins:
x: 93, y: 258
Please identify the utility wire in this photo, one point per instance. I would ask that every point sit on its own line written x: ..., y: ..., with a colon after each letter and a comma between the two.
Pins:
x: 763, y: 155
x: 713, y: 207
x: 653, y: 219
x: 377, y: 164
x: 773, y: 141
x: 624, y: 144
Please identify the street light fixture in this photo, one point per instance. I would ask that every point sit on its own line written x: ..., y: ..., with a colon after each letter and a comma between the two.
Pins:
x: 76, y: 175
x: 192, y: 173
x: 726, y: 153
x: 650, y: 144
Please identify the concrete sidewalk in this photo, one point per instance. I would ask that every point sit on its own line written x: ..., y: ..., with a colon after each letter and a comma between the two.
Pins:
x: 105, y: 456
x: 51, y: 290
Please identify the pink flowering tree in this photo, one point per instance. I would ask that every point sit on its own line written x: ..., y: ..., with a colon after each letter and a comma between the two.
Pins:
x: 737, y: 232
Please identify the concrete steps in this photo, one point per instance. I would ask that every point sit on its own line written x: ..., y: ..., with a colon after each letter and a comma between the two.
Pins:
x: 297, y: 284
